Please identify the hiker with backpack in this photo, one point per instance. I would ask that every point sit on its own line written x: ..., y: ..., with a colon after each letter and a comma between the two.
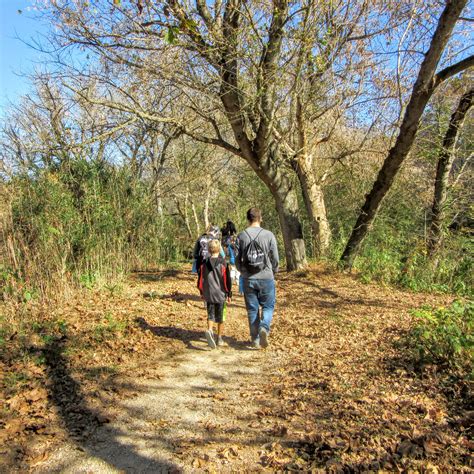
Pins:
x: 228, y: 230
x: 229, y: 234
x: 201, y: 248
x: 215, y: 286
x: 257, y: 260
x: 228, y: 240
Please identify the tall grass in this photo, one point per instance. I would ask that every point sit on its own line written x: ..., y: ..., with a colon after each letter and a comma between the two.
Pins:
x: 82, y: 225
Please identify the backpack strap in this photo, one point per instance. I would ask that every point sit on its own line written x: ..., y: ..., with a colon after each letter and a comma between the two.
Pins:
x: 256, y: 237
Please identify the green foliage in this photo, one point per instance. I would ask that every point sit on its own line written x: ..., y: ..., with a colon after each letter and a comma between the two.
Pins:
x: 171, y: 35
x: 85, y: 222
x: 446, y: 335
x: 108, y: 329
x: 12, y: 380
x: 114, y: 289
x: 49, y: 330
x: 3, y: 332
x: 88, y: 280
x: 394, y: 252
x: 393, y: 256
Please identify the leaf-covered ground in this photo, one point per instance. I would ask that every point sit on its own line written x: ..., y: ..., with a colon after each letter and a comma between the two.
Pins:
x: 122, y: 380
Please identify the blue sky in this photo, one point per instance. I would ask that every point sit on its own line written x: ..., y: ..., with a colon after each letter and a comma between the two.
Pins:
x: 16, y: 58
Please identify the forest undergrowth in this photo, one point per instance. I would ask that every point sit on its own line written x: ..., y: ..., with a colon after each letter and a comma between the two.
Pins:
x: 343, y: 385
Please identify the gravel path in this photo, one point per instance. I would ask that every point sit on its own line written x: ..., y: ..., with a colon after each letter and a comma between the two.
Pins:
x: 196, y: 416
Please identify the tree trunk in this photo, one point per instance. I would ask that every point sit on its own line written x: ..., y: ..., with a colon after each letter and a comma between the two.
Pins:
x: 443, y: 171
x: 422, y: 90
x: 206, y: 207
x: 271, y: 171
x: 315, y: 206
x: 279, y: 182
x: 196, y: 220
x: 159, y: 206
x: 287, y: 207
x: 256, y: 151
x: 184, y: 214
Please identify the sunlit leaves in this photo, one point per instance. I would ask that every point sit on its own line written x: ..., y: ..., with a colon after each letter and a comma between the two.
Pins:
x: 171, y: 35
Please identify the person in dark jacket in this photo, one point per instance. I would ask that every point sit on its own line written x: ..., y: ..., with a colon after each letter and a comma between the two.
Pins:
x: 228, y: 230
x: 215, y: 286
x: 201, y: 251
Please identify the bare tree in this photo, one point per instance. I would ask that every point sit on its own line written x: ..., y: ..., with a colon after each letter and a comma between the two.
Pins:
x: 445, y: 163
x: 224, y: 62
x: 425, y: 85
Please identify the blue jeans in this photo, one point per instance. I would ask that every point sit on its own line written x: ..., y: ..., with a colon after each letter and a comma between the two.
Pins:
x: 259, y: 293
x: 241, y: 284
x: 231, y: 255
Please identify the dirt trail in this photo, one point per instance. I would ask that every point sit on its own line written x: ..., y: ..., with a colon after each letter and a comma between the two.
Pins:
x: 192, y: 404
x: 135, y: 389
x: 197, y: 414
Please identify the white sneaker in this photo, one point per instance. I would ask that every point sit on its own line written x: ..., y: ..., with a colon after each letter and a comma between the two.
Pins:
x: 210, y: 339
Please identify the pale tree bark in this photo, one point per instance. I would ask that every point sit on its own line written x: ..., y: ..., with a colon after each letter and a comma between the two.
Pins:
x: 207, y: 199
x: 319, y: 98
x: 183, y: 212
x: 445, y: 163
x: 313, y: 197
x: 425, y: 84
x: 159, y: 207
x: 196, y: 219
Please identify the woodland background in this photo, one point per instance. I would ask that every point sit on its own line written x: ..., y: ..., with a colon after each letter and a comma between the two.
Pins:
x: 348, y: 123
x: 122, y: 153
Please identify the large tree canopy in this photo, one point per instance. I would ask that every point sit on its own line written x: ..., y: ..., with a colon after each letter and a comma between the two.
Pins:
x: 269, y: 82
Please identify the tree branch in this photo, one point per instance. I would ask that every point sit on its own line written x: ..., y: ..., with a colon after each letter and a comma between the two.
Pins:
x: 450, y: 71
x: 214, y: 141
x: 188, y: 26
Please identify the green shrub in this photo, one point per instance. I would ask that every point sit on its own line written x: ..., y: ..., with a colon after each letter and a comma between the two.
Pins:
x: 86, y: 223
x: 109, y: 328
x: 394, y: 251
x: 445, y: 336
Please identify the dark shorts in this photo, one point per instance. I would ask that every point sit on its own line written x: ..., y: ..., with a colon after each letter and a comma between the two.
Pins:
x: 216, y: 312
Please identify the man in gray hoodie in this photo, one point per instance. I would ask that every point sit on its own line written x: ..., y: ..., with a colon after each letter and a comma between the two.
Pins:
x: 257, y: 261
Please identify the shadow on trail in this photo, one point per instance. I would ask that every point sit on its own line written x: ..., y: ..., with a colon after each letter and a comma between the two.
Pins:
x: 188, y: 336
x: 81, y: 422
x: 181, y: 297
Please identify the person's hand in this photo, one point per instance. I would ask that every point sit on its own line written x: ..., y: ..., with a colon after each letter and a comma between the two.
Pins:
x: 229, y: 299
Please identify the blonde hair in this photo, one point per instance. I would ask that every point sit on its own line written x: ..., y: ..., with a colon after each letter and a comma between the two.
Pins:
x: 214, y: 247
